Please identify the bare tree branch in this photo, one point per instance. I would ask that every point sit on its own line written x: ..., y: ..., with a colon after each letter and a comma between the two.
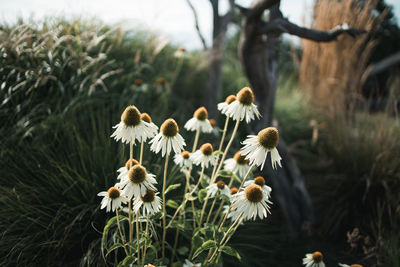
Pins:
x: 244, y: 10
x: 196, y: 21
x: 257, y: 8
x: 385, y: 64
x: 381, y: 66
x: 285, y: 26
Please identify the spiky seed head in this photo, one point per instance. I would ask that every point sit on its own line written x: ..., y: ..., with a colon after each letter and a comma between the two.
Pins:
x: 221, y: 184
x: 128, y: 163
x: 131, y: 116
x: 182, y: 49
x: 149, y: 196
x: 254, y: 193
x: 240, y: 159
x: 268, y: 138
x: 245, y: 96
x: 207, y: 149
x: 201, y: 114
x: 137, y: 174
x: 185, y: 154
x: 138, y: 82
x: 317, y: 257
x: 169, y: 128
x: 212, y: 122
x: 259, y: 180
x: 230, y: 99
x: 234, y: 190
x: 113, y: 192
x: 145, y: 117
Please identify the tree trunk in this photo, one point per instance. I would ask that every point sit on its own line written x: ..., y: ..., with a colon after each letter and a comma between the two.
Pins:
x: 259, y: 57
x: 215, y: 54
x: 214, y: 86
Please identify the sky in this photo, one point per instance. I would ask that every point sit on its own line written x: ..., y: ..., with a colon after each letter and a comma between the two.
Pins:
x: 170, y: 18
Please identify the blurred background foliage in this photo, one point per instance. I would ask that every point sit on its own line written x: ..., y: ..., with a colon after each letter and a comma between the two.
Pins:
x: 63, y: 86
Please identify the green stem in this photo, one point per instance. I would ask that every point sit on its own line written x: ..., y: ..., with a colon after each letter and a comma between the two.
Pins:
x: 226, y: 151
x: 234, y: 225
x: 218, y: 212
x: 196, y: 140
x: 241, y: 185
x: 211, y: 209
x: 145, y: 241
x: 221, y: 143
x: 247, y: 175
x: 141, y: 153
x: 120, y: 233
x: 130, y: 201
x: 137, y: 238
x: 184, y: 202
x: 164, y: 207
x: 220, y: 165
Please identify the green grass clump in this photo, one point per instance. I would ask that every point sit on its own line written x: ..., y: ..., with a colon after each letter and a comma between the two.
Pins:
x: 64, y: 85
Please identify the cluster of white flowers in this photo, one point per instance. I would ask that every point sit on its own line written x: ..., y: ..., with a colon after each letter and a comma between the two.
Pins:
x: 137, y: 187
x: 135, y: 182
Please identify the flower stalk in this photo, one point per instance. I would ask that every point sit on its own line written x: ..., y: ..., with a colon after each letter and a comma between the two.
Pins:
x: 164, y: 207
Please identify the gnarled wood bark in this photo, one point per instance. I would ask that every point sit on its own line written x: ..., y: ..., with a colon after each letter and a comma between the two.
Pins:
x: 215, y: 54
x: 258, y: 52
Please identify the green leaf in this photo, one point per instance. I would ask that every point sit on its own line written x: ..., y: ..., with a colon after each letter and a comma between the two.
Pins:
x: 190, y: 197
x: 205, y: 181
x: 218, y: 235
x: 197, y: 241
x: 230, y: 251
x: 110, y: 223
x: 172, y: 204
x: 225, y: 173
x: 206, y: 245
x: 151, y: 254
x: 225, y: 198
x: 218, y: 152
x: 113, y: 247
x: 183, y: 250
x: 202, y: 195
x: 237, y: 179
x: 172, y: 187
x: 127, y: 261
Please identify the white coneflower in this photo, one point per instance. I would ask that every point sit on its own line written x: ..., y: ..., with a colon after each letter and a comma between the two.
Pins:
x: 180, y: 52
x: 223, y: 106
x: 238, y: 164
x: 314, y: 260
x: 204, y: 156
x: 199, y: 121
x: 219, y: 186
x: 137, y: 181
x: 149, y: 265
x: 251, y: 202
x: 257, y: 147
x: 183, y: 159
x: 189, y: 264
x: 112, y: 199
x: 150, y: 202
x: 213, y: 123
x: 259, y: 180
x: 131, y: 127
x: 124, y: 170
x: 152, y: 127
x: 168, y: 139
x: 234, y: 191
x: 243, y: 106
